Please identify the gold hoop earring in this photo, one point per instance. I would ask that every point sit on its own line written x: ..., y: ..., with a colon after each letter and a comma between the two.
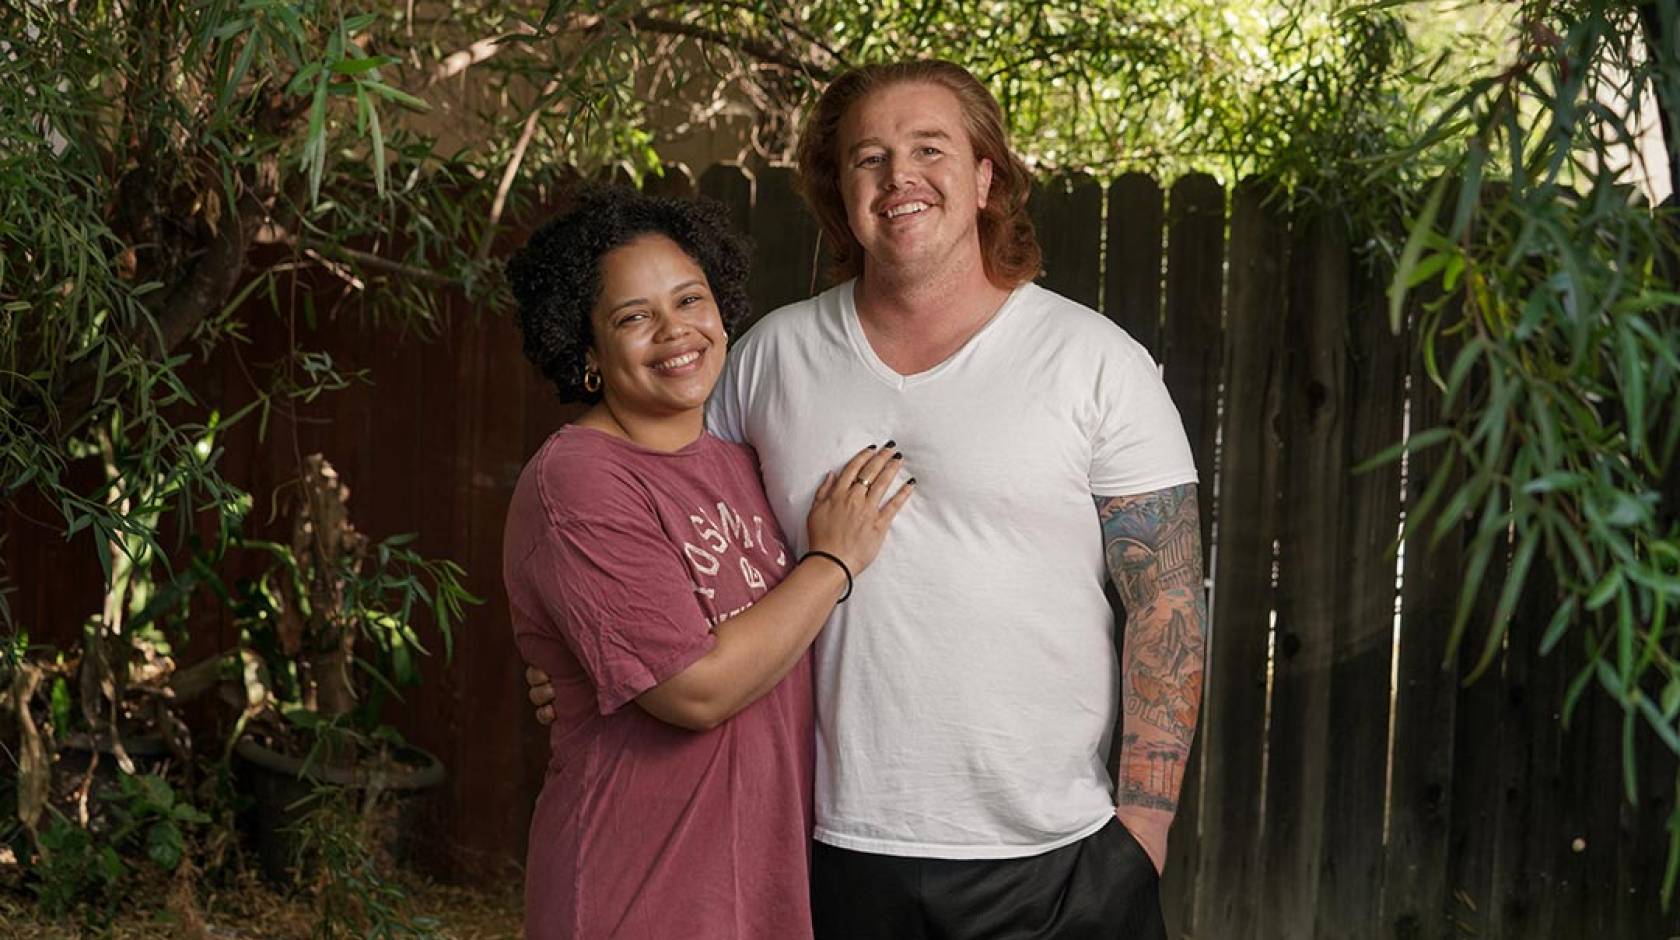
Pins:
x: 591, y: 381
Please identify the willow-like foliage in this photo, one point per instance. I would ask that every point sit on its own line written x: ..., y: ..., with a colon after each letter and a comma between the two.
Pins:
x: 1554, y: 337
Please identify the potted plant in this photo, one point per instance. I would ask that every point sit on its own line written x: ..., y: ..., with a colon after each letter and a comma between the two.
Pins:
x: 329, y: 634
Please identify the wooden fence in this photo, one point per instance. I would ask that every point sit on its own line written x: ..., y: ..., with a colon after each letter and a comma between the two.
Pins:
x: 1343, y: 784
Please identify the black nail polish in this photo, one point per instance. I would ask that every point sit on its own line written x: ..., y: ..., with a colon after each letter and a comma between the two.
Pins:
x: 910, y: 481
x: 898, y: 456
x: 870, y: 447
x: 891, y: 443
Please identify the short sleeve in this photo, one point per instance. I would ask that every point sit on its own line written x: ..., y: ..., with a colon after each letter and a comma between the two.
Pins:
x: 1139, y: 444
x: 726, y: 409
x: 617, y: 590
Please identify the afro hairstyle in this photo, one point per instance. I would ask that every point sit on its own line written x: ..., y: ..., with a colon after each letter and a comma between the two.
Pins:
x: 556, y: 277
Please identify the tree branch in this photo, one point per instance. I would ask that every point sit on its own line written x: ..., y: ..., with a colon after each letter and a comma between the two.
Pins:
x: 742, y: 44
x: 381, y: 263
x: 457, y: 62
x: 511, y: 172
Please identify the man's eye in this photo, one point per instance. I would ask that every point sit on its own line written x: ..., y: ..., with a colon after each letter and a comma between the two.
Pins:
x: 871, y: 160
x: 930, y: 151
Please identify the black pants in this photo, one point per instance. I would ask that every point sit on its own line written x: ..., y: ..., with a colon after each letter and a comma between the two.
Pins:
x: 1103, y: 887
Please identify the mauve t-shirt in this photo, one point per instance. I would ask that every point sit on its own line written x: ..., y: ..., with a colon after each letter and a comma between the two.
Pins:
x: 618, y: 561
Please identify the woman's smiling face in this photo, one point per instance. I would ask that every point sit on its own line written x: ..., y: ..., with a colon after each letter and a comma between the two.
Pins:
x: 659, y: 339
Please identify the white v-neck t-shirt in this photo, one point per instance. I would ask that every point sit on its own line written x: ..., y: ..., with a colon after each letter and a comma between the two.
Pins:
x: 967, y: 691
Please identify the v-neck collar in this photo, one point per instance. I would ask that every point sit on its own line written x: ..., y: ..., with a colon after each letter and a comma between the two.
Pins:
x: 886, y: 373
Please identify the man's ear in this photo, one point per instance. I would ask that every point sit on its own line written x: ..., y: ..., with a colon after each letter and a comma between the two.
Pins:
x: 983, y: 181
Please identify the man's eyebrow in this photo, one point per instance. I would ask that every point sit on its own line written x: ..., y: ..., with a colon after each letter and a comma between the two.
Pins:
x: 933, y: 133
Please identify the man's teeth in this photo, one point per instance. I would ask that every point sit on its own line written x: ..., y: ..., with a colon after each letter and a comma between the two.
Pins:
x: 906, y: 209
x: 677, y: 362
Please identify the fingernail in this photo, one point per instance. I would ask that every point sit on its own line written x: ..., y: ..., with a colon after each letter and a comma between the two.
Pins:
x: 898, y: 456
x: 891, y: 443
x: 871, y: 447
x: 910, y: 482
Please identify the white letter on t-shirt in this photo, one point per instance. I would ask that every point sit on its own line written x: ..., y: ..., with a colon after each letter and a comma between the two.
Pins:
x: 755, y: 579
x: 703, y: 561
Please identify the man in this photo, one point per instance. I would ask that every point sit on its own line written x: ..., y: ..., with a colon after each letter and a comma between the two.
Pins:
x: 966, y: 691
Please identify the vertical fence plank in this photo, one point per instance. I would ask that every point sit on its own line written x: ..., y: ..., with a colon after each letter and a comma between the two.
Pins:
x: 1132, y: 278
x: 1484, y: 749
x: 1595, y: 747
x: 435, y: 723
x: 1233, y: 725
x: 1191, y: 370
x: 1350, y: 860
x: 1067, y: 215
x: 728, y: 184
x: 1425, y: 702
x: 1309, y: 572
x: 672, y: 180
x: 1642, y: 843
x: 1533, y: 847
x: 489, y: 668
x: 1191, y: 333
x: 785, y: 236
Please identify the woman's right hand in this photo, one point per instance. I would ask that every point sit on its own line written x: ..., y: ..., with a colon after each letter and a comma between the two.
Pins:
x: 848, y: 518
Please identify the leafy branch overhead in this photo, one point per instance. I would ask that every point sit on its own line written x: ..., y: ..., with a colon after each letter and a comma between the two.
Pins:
x: 1544, y: 287
x: 166, y: 167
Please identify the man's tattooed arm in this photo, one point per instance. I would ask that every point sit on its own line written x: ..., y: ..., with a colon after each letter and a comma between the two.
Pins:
x: 1153, y: 546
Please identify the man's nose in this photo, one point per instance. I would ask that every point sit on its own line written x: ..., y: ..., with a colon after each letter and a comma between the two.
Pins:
x: 899, y: 174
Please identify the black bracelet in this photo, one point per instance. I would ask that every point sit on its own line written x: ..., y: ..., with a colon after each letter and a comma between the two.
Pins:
x: 836, y: 560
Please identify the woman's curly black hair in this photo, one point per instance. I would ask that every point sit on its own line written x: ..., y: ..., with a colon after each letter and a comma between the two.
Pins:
x: 557, y: 275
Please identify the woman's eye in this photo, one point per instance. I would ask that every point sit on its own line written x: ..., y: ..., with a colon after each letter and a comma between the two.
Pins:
x: 930, y: 151
x: 690, y: 299
x: 631, y: 318
x: 871, y: 160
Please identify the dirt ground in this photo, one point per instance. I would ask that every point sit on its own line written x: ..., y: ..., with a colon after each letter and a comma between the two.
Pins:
x: 254, y: 912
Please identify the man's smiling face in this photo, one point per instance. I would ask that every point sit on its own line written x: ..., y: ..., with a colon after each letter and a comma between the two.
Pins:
x: 912, y: 186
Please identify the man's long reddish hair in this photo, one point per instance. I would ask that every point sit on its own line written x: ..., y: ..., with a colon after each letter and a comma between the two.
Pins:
x: 1007, y: 243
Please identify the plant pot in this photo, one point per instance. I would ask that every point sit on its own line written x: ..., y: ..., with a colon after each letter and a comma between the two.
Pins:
x: 278, y: 783
x: 147, y: 750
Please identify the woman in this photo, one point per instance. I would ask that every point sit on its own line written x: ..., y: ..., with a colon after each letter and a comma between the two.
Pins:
x: 646, y: 575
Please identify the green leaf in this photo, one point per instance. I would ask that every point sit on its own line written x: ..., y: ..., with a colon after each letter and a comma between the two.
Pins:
x: 400, y: 97
x: 1556, y: 480
x: 1632, y: 384
x: 1422, y: 228
x: 315, y: 146
x: 1559, y: 624
x: 1514, y: 581
x: 241, y: 67
x: 1605, y: 590
x: 1422, y: 440
x: 164, y: 844
x: 1630, y: 760
x: 1481, y: 554
x: 359, y: 66
x: 301, y: 80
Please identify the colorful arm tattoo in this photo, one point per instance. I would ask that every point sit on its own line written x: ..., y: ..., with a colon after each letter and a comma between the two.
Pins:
x: 1153, y: 546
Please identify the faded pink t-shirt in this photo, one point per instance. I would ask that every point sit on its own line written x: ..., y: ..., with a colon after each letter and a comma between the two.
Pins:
x: 618, y: 561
